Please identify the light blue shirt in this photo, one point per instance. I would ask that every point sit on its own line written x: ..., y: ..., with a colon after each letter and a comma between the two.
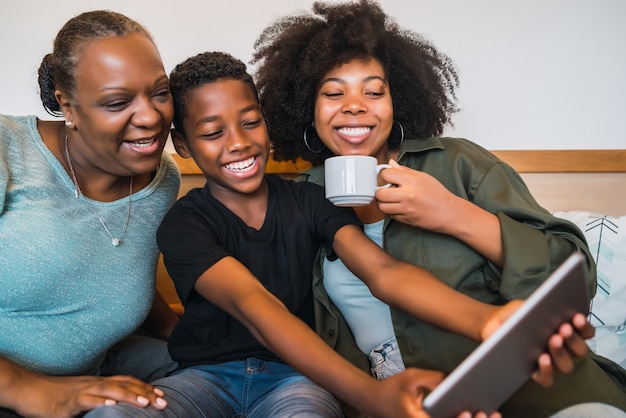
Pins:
x: 66, y: 294
x: 369, y: 319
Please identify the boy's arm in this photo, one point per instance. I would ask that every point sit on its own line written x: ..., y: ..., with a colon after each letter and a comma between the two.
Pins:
x: 421, y: 294
x: 409, y: 287
x: 266, y: 317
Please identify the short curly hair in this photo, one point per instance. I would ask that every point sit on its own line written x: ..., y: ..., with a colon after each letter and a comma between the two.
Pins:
x: 202, y: 69
x: 57, y: 68
x: 294, y: 53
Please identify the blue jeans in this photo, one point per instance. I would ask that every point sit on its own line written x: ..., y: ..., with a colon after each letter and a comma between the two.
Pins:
x: 252, y: 388
x: 386, y: 360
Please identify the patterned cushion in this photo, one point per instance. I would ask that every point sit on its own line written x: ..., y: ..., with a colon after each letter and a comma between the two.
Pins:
x: 606, y: 236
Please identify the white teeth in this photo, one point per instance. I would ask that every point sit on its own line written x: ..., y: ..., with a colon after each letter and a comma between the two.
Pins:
x: 241, y: 165
x: 354, y: 131
x: 143, y: 143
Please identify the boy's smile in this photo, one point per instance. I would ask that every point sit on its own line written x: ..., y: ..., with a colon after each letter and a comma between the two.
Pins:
x: 242, y: 166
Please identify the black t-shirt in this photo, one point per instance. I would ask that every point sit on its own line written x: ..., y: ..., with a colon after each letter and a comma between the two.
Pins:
x: 199, y: 231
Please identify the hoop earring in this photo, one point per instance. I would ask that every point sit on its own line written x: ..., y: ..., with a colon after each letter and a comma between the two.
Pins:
x: 313, y: 137
x: 396, y: 136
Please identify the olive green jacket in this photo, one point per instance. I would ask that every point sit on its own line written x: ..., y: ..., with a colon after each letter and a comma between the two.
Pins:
x: 535, y: 243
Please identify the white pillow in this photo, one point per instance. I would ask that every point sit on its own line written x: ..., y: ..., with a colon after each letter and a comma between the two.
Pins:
x: 606, y: 237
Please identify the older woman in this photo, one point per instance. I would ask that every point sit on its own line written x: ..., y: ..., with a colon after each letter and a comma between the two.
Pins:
x: 80, y: 202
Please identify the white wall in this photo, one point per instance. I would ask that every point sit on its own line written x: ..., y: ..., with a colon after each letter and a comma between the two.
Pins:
x: 535, y: 74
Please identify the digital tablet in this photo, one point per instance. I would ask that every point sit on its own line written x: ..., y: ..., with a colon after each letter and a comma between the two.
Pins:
x: 505, y: 360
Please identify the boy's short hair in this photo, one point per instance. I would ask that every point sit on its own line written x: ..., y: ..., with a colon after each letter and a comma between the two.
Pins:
x: 201, y: 69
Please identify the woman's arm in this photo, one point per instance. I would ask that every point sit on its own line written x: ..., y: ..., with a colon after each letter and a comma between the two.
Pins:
x: 162, y: 318
x: 419, y: 199
x: 34, y: 395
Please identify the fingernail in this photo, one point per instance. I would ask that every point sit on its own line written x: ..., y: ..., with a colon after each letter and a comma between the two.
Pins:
x: 110, y: 402
x: 158, y: 392
x: 161, y: 402
x: 143, y: 401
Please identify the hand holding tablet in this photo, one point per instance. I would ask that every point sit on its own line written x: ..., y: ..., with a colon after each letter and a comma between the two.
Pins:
x: 503, y: 362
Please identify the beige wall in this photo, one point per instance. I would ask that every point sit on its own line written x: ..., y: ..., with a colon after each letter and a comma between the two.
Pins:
x: 535, y: 74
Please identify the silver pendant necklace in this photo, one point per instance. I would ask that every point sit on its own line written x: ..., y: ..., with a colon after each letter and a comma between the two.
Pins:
x: 78, y: 193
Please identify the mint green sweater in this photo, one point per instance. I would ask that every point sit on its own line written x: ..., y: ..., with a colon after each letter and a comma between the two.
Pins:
x: 66, y: 294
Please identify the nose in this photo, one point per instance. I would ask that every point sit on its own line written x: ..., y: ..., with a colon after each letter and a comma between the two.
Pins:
x: 237, y: 140
x: 354, y: 104
x: 146, y: 114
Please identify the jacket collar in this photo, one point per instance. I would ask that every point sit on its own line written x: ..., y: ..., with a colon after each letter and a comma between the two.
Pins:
x: 420, y: 145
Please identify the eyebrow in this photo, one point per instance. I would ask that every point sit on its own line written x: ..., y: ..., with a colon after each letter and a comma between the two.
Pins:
x: 207, y: 119
x: 342, y: 81
x: 250, y: 108
x: 246, y: 109
x: 163, y: 79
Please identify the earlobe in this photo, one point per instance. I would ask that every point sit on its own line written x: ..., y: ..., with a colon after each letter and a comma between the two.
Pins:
x: 65, y: 106
x: 179, y: 143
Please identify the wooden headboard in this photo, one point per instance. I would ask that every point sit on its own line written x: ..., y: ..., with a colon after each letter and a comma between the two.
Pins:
x: 586, y: 180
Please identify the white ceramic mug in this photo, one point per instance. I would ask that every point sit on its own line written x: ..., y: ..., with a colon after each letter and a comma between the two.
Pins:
x: 352, y: 180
